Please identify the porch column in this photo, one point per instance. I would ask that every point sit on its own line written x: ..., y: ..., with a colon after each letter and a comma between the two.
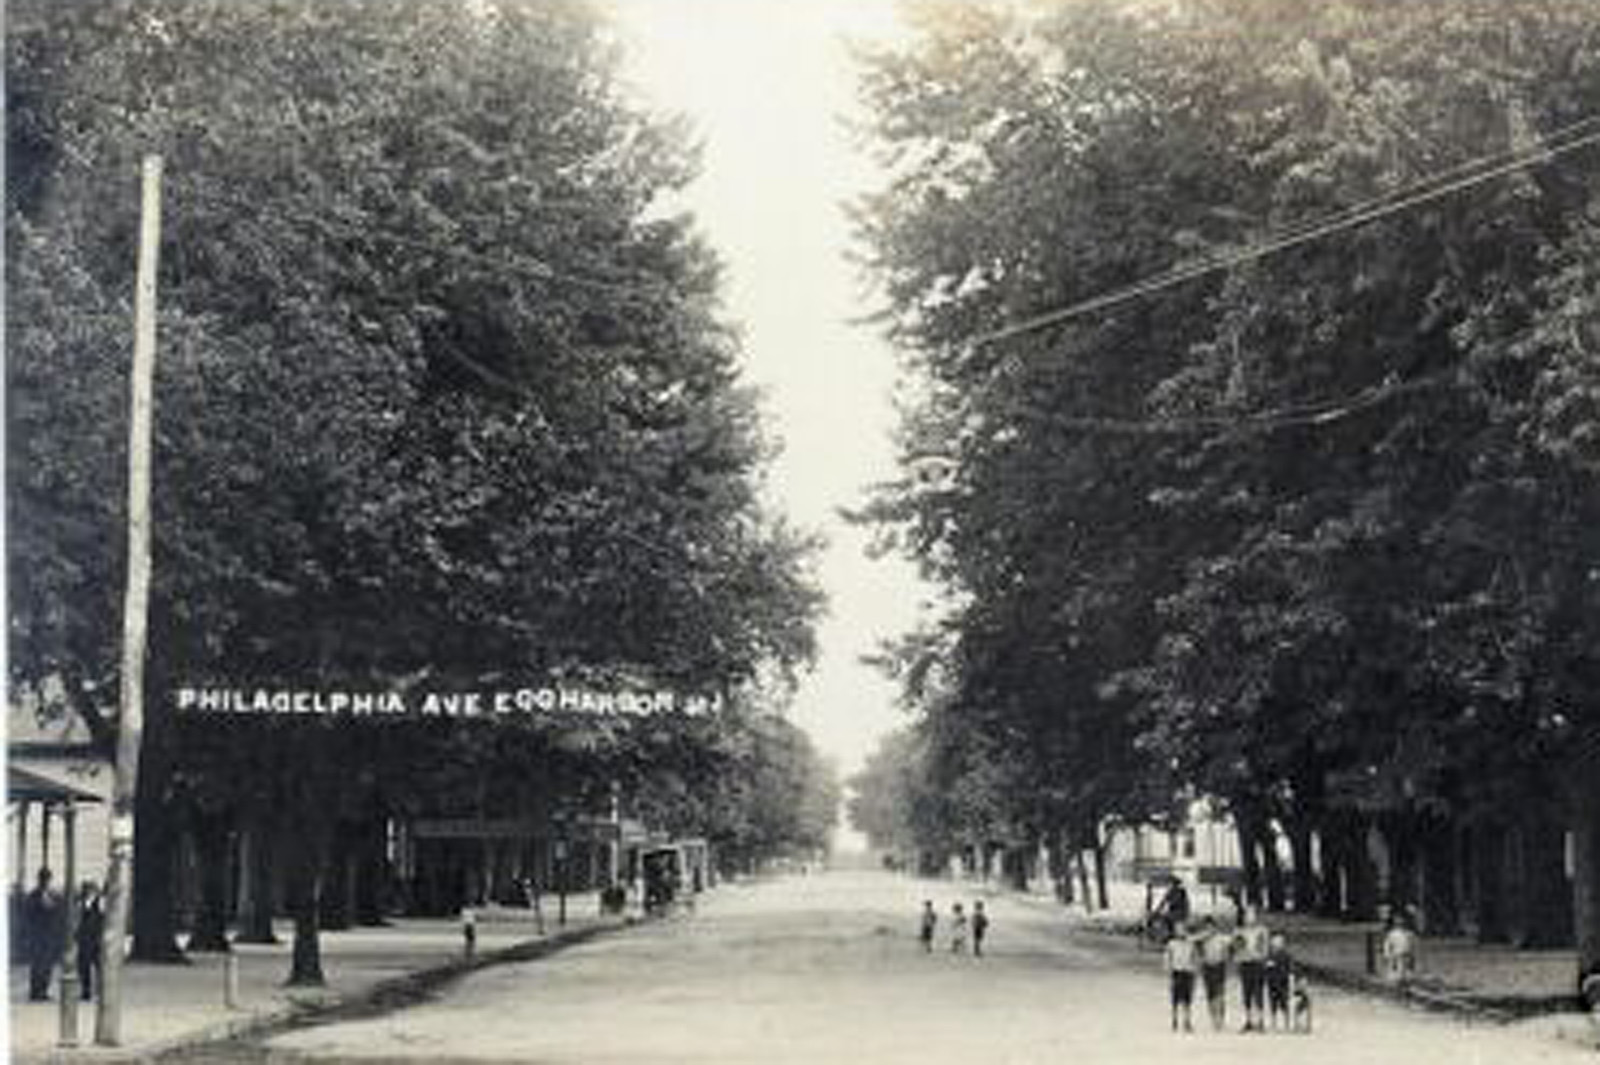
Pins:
x: 68, y: 1033
x: 20, y: 859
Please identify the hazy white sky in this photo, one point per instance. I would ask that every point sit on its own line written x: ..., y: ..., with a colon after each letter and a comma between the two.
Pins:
x: 766, y: 83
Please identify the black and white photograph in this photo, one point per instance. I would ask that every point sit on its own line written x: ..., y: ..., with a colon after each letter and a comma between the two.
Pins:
x: 660, y: 532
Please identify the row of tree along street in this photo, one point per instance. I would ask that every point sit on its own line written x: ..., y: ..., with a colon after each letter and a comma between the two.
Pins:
x: 444, y: 402
x: 1300, y: 516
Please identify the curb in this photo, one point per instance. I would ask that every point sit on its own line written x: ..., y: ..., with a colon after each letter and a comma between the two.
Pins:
x: 384, y: 996
x: 1411, y: 995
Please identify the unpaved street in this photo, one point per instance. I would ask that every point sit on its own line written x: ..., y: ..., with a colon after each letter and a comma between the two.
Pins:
x: 827, y: 969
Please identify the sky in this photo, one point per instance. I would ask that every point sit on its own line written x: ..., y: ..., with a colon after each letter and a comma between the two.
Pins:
x: 767, y: 84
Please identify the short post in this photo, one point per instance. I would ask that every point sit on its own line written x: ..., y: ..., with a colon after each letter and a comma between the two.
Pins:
x: 230, y: 980
x: 561, y: 881
x: 19, y: 861
x: 68, y: 1034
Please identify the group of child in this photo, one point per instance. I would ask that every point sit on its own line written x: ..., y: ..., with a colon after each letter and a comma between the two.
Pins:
x: 1266, y: 974
x: 959, y: 926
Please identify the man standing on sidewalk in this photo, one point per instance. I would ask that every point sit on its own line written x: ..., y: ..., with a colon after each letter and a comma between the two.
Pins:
x: 91, y: 926
x: 41, y: 917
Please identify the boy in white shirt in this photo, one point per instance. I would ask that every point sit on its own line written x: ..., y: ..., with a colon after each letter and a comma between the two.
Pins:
x: 958, y: 930
x: 1181, y: 959
x: 1251, y: 946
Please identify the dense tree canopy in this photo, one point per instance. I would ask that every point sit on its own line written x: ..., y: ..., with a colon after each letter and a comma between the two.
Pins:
x: 1308, y: 530
x: 445, y: 393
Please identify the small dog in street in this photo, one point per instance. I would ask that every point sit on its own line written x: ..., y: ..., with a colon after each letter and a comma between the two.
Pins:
x: 1300, y: 1008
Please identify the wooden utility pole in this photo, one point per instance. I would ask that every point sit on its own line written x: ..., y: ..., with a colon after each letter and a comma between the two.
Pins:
x: 135, y: 616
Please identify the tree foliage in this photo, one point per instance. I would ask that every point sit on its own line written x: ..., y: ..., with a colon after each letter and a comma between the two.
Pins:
x: 1307, y: 533
x: 445, y: 393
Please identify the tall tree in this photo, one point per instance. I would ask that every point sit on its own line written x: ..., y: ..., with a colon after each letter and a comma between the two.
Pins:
x: 445, y: 395
x: 1302, y: 530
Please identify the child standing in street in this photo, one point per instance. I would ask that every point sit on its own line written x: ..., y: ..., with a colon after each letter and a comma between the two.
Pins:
x: 980, y: 927
x: 1216, y: 947
x: 1252, y: 944
x: 1399, y: 950
x: 469, y: 930
x: 1180, y: 962
x: 958, y: 930
x: 1280, y: 971
x: 930, y: 920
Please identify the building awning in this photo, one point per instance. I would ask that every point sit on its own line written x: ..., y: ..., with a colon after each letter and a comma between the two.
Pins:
x: 24, y: 785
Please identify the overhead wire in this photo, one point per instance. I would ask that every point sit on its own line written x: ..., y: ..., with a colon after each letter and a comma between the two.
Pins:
x: 1436, y: 178
x: 1455, y: 180
x: 1250, y: 423
x: 1572, y: 137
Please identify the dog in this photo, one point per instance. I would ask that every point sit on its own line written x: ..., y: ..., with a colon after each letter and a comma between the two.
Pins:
x: 1300, y: 1007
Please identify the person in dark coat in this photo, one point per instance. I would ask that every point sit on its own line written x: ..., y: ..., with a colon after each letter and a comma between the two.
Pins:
x: 41, y: 923
x: 91, y: 926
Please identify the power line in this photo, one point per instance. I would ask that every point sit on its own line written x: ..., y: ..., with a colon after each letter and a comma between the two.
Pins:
x: 1435, y: 179
x: 1267, y: 421
x: 1295, y: 236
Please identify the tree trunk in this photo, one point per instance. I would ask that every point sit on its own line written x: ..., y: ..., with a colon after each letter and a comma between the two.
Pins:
x: 334, y: 912
x: 1333, y: 899
x: 1083, y: 879
x: 1488, y: 853
x: 1441, y: 910
x: 1100, y: 874
x: 1546, y: 901
x: 1584, y: 817
x: 371, y: 877
x: 1399, y: 834
x: 1277, y: 890
x: 256, y: 901
x: 1363, y: 875
x: 305, y: 904
x: 211, y: 851
x: 1060, y: 867
x: 1304, y: 884
x: 1303, y: 820
x: 1249, y: 858
x: 155, y: 924
x: 1263, y: 873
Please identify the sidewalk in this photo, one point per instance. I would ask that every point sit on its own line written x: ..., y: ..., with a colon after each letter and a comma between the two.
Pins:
x: 167, y: 1006
x: 1489, y: 982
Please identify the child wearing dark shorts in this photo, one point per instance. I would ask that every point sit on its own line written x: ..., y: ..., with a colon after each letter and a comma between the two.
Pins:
x: 1215, y: 947
x: 1181, y: 958
x: 1280, y: 968
x: 1252, y: 945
